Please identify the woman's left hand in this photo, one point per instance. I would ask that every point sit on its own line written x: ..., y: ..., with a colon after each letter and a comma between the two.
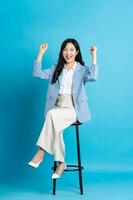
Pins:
x: 93, y: 50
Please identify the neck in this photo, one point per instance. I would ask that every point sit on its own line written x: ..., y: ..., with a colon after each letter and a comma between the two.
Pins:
x: 70, y: 65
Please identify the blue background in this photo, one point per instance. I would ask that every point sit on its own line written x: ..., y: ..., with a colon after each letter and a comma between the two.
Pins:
x: 107, y: 140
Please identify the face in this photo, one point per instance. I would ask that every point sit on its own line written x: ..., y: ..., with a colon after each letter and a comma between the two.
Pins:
x: 69, y: 53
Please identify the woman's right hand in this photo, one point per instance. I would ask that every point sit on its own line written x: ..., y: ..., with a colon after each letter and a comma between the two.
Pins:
x: 43, y: 47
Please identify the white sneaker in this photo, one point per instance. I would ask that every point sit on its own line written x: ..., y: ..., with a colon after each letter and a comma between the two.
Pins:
x: 35, y: 165
x: 55, y: 176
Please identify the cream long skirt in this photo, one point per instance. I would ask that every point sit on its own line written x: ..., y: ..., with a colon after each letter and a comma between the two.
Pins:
x: 57, y: 119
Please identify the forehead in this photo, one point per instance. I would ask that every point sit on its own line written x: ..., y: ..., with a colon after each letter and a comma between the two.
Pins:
x: 70, y: 45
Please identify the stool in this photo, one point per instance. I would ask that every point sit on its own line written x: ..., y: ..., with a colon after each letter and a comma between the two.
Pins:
x: 77, y: 167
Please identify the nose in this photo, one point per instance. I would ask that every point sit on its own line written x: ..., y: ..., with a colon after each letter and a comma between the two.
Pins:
x: 68, y: 53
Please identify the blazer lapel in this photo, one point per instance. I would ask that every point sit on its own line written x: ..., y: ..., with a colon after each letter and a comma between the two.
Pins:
x: 76, y: 74
x: 58, y: 82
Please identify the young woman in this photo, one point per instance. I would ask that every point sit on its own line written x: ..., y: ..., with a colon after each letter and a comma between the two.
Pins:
x: 66, y: 100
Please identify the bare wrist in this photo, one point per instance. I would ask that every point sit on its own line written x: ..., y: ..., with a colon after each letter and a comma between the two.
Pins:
x: 94, y: 55
x: 40, y: 53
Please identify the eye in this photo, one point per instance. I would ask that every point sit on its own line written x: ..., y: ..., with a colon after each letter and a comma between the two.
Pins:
x: 72, y: 49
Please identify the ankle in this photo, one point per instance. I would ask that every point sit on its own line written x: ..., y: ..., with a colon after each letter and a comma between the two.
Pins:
x: 40, y: 152
x: 60, y: 162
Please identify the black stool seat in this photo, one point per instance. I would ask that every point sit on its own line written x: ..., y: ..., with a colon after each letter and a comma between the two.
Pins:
x: 76, y: 123
x: 78, y: 167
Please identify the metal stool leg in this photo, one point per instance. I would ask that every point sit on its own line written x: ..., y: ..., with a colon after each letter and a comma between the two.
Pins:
x: 77, y: 167
x: 79, y: 160
x: 54, y: 180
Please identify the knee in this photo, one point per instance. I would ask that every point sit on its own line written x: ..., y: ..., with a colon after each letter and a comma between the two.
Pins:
x: 49, y: 113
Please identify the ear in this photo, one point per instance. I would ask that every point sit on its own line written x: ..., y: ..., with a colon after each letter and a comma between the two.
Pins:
x: 77, y: 52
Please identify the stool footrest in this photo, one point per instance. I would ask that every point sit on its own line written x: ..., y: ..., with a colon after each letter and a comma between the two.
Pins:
x: 75, y: 168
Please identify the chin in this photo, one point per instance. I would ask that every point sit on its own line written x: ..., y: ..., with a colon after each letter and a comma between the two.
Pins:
x: 70, y: 61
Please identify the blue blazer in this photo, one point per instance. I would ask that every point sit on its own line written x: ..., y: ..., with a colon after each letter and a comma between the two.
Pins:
x: 82, y: 74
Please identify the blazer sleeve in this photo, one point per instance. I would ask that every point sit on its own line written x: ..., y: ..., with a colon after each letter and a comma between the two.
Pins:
x: 91, y: 73
x: 38, y: 72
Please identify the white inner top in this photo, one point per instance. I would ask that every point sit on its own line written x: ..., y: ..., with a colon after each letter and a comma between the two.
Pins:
x: 66, y: 80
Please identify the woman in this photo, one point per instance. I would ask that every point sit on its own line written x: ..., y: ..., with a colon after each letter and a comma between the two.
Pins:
x: 66, y: 100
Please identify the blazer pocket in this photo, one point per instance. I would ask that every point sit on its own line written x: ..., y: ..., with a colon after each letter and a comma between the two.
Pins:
x: 49, y: 96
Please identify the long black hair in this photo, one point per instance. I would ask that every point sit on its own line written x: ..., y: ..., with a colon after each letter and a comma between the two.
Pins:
x: 61, y: 60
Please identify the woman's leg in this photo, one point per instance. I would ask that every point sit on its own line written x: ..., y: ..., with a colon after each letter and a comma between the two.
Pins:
x: 51, y: 137
x: 60, y: 168
x: 45, y: 140
x: 38, y: 156
x: 59, y: 148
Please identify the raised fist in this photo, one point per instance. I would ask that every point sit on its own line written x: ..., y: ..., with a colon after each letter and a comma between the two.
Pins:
x: 93, y: 50
x: 43, y: 47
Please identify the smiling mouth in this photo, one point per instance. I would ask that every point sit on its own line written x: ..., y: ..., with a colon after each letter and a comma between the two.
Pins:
x: 68, y: 58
